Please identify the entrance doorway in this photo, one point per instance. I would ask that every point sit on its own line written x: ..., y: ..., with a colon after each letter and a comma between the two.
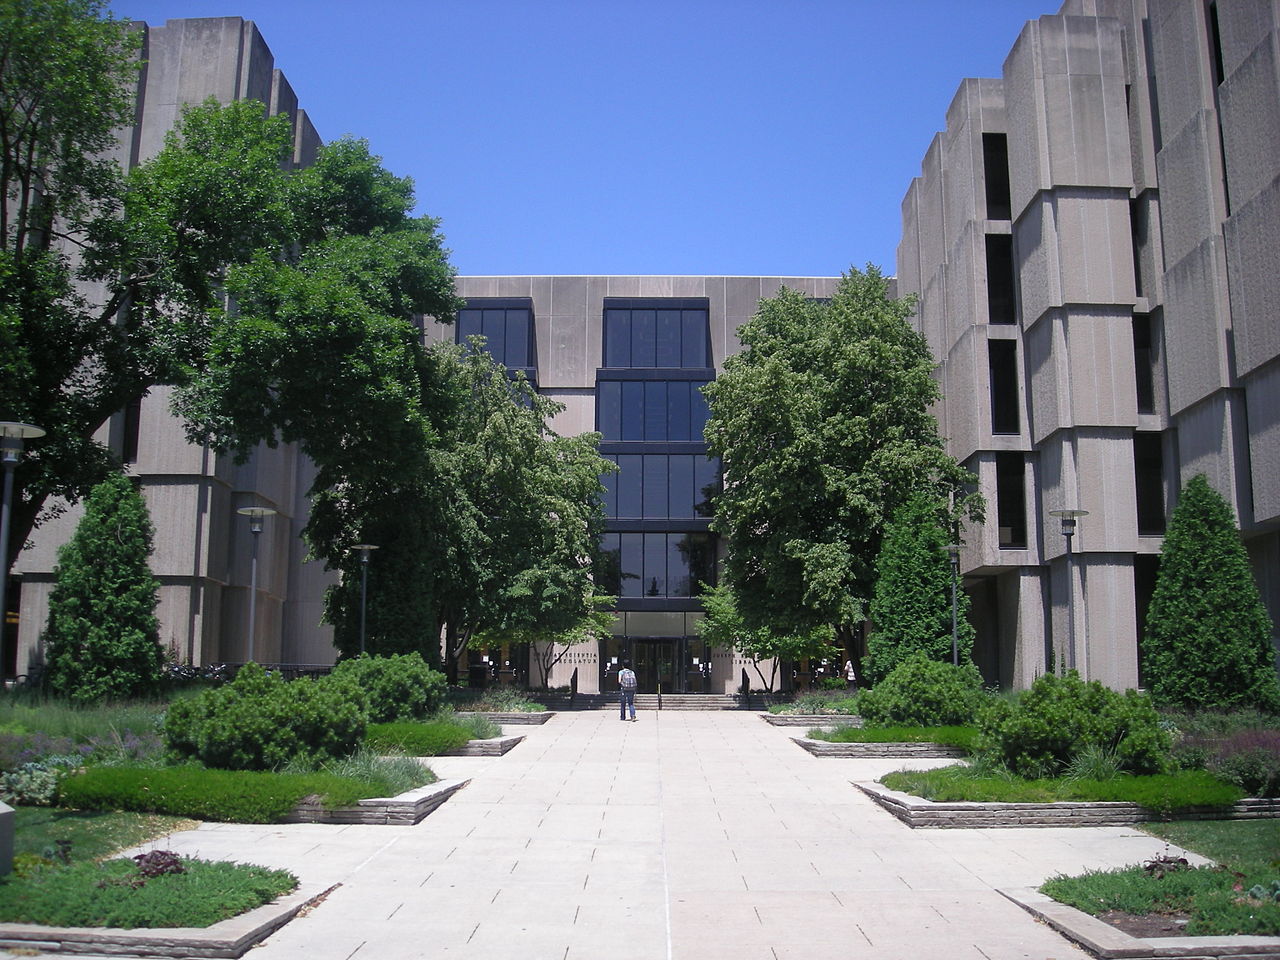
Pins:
x: 672, y: 664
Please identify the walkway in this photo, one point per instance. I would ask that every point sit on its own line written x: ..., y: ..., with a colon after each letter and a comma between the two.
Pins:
x: 684, y: 835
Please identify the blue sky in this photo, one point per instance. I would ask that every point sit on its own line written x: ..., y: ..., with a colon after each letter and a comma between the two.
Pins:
x: 748, y: 137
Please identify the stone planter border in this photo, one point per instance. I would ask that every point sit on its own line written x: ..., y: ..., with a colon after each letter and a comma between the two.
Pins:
x: 822, y: 748
x: 228, y: 938
x: 505, y: 718
x: 485, y: 748
x: 811, y: 719
x: 916, y: 812
x: 1105, y: 941
x: 405, y: 810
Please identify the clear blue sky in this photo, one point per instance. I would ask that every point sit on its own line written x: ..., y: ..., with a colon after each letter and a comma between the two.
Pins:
x: 749, y: 137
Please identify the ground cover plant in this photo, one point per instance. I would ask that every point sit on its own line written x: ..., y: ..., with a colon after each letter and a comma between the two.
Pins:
x: 1161, y: 793
x: 965, y: 738
x: 820, y: 702
x: 418, y: 739
x: 155, y: 889
x: 494, y: 700
x: 85, y: 834
x: 1237, y: 897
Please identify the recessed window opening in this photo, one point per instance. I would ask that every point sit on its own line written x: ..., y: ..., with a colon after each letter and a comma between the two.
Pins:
x: 1011, y: 502
x: 995, y: 168
x: 1148, y: 472
x: 508, y: 332
x: 1138, y: 241
x: 1001, y: 305
x: 1002, y: 361
x: 132, y: 430
x: 1144, y: 363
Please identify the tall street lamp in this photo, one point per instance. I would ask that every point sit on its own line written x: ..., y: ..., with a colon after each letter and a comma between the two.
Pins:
x: 12, y: 434
x: 365, y: 549
x: 255, y: 515
x: 1068, y: 518
x: 953, y: 550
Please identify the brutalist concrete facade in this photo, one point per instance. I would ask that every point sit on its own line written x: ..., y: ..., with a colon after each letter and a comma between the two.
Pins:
x: 202, y: 548
x: 1093, y: 239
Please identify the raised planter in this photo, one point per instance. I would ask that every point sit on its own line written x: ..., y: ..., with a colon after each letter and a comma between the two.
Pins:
x: 406, y: 809
x: 505, y: 718
x: 485, y: 748
x: 918, y: 812
x: 823, y: 748
x: 227, y: 938
x: 1103, y: 940
x: 811, y: 719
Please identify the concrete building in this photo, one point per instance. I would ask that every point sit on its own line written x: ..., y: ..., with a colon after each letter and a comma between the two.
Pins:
x: 1093, y: 240
x: 1088, y: 238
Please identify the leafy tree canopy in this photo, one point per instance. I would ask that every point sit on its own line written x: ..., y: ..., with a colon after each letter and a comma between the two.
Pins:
x: 823, y: 428
x: 102, y: 638
x: 1208, y: 637
x: 911, y: 604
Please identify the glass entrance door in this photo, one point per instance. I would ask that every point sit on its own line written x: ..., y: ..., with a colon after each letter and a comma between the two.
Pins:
x: 656, y: 663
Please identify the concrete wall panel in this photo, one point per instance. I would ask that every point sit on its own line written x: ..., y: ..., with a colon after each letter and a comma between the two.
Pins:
x: 1213, y: 440
x: 1250, y: 112
x: 1109, y: 640
x: 1179, y: 44
x: 1193, y: 202
x: 1196, y: 305
x: 1262, y: 399
x: 1252, y: 238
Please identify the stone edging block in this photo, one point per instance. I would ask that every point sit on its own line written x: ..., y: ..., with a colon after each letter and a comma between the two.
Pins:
x: 917, y: 812
x: 485, y: 748
x: 821, y: 748
x: 227, y: 938
x: 811, y: 719
x: 406, y: 809
x: 507, y: 718
x: 1105, y: 941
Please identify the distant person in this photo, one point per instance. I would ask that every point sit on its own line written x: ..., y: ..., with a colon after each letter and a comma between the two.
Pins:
x: 627, y: 683
x: 850, y: 676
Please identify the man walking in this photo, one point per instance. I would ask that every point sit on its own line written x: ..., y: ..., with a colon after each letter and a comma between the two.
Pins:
x: 627, y: 681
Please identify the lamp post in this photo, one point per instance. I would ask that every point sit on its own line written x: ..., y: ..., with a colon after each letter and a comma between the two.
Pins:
x: 255, y: 515
x: 953, y: 551
x: 365, y: 549
x: 11, y: 436
x: 1068, y: 518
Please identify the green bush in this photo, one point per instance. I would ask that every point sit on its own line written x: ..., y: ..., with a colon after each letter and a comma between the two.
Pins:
x: 401, y: 687
x: 920, y: 692
x: 229, y: 796
x: 418, y: 739
x: 1251, y: 760
x: 840, y: 702
x: 126, y: 894
x: 1042, y: 730
x: 261, y: 722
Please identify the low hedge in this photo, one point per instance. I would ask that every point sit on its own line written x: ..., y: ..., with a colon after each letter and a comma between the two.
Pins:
x: 400, y: 687
x: 221, y: 795
x: 418, y: 739
x: 122, y: 894
x: 920, y: 692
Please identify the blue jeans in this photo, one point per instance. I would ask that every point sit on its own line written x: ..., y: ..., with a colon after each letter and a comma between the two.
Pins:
x: 628, y: 700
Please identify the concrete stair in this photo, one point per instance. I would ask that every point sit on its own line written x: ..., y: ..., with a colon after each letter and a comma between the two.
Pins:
x: 652, y: 701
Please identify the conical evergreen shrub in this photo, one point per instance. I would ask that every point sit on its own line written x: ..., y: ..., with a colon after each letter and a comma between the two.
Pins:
x: 911, y: 606
x: 102, y: 637
x: 1208, y: 636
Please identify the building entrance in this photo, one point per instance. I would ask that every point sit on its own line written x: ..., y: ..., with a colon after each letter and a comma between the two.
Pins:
x: 669, y: 664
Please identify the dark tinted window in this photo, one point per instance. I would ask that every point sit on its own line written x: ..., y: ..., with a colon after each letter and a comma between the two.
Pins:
x: 656, y: 564
x: 651, y: 410
x: 1144, y: 363
x: 508, y: 332
x: 1148, y: 470
x: 1002, y: 358
x: 1011, y: 504
x: 657, y: 337
x: 995, y: 164
x: 1001, y: 305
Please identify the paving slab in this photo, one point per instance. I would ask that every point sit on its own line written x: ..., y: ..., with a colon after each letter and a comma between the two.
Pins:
x: 685, y: 836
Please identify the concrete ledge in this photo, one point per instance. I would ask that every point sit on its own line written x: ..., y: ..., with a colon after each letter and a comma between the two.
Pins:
x: 811, y: 719
x: 485, y: 748
x: 917, y: 812
x: 505, y: 718
x: 1104, y: 940
x: 228, y: 938
x: 821, y: 748
x: 406, y: 809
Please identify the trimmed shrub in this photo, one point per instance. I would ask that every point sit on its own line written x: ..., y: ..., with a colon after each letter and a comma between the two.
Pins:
x: 418, y: 739
x: 401, y: 687
x: 1208, y: 637
x: 1251, y: 760
x: 921, y: 692
x: 1041, y: 731
x: 102, y: 636
x: 261, y: 722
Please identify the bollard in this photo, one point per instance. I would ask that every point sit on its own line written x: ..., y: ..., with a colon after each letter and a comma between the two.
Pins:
x: 6, y: 839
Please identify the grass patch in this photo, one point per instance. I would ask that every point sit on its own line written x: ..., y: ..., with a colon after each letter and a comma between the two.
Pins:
x: 116, y: 894
x: 429, y: 739
x: 235, y: 796
x: 1162, y: 793
x: 1239, y: 844
x: 963, y: 737
x: 89, y: 834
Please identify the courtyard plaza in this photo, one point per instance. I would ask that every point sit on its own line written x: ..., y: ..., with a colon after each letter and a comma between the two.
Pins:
x: 685, y: 835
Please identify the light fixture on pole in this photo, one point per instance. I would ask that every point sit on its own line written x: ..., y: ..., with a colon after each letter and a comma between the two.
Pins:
x: 953, y: 551
x: 12, y: 434
x: 1068, y: 518
x: 364, y: 549
x: 255, y: 515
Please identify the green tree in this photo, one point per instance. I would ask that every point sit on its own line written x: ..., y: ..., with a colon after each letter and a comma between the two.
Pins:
x: 102, y: 640
x: 1208, y: 637
x: 724, y: 626
x: 911, y: 603
x: 823, y: 429
x: 326, y: 269
x: 547, y: 648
